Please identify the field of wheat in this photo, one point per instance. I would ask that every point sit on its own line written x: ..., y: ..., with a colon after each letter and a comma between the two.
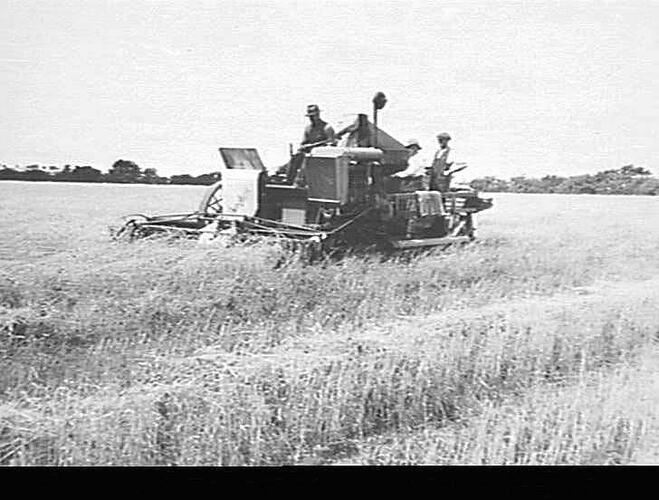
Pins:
x: 536, y: 344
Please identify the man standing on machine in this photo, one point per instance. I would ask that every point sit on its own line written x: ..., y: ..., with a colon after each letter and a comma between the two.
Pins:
x: 318, y: 132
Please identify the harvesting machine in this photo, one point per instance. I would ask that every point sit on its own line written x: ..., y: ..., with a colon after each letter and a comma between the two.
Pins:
x: 326, y: 197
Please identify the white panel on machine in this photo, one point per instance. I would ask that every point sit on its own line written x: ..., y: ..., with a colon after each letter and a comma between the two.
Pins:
x: 293, y: 216
x: 240, y: 192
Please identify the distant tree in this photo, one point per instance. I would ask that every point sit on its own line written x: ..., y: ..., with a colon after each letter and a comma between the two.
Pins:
x: 490, y: 184
x: 86, y: 174
x: 552, y: 183
x: 36, y: 175
x: 124, y: 171
x: 181, y: 179
x: 625, y: 180
x: 631, y: 170
x: 207, y: 179
x: 523, y: 185
x: 9, y: 174
x: 149, y: 173
x: 150, y: 176
x: 64, y: 174
x: 649, y: 187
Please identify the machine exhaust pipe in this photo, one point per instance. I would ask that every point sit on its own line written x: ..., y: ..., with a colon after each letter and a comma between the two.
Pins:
x: 379, y: 100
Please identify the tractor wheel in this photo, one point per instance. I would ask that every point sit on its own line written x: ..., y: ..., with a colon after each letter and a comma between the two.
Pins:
x: 462, y: 225
x: 469, y: 228
x: 211, y: 204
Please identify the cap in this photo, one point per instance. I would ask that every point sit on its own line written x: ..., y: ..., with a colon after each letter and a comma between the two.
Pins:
x: 444, y: 135
x: 413, y: 142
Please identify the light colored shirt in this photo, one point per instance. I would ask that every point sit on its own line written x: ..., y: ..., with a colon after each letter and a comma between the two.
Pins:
x: 416, y: 166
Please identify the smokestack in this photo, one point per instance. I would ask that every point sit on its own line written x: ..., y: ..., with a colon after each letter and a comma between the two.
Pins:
x: 379, y: 100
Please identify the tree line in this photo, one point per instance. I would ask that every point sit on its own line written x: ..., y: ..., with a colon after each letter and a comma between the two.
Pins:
x: 121, y: 172
x: 625, y: 180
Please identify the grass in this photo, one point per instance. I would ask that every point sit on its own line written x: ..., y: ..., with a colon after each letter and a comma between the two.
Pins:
x: 527, y: 347
x: 599, y: 419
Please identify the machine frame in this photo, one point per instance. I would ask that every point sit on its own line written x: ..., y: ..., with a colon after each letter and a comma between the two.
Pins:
x: 325, y: 197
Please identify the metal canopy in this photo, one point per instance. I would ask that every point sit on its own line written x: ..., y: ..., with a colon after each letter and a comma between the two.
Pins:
x: 242, y: 159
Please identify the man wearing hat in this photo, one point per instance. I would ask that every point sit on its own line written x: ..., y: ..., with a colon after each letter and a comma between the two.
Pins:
x: 416, y: 166
x: 318, y: 132
x: 440, y: 174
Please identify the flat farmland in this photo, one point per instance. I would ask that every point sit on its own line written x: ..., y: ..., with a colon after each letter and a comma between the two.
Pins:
x: 536, y: 344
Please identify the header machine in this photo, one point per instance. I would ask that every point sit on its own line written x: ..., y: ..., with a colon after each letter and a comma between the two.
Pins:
x: 326, y: 197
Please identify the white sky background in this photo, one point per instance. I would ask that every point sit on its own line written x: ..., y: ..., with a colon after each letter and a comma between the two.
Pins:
x: 563, y: 87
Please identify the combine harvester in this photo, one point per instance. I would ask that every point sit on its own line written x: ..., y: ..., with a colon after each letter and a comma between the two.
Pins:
x: 347, y: 198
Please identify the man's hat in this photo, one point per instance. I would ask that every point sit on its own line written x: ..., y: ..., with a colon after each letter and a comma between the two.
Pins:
x: 444, y: 135
x: 413, y: 142
x: 312, y: 110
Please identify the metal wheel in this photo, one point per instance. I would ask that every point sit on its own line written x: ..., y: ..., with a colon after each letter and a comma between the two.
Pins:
x: 463, y: 226
x: 470, y: 228
x: 211, y: 204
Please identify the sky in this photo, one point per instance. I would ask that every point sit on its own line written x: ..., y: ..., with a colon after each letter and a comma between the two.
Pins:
x: 523, y: 87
